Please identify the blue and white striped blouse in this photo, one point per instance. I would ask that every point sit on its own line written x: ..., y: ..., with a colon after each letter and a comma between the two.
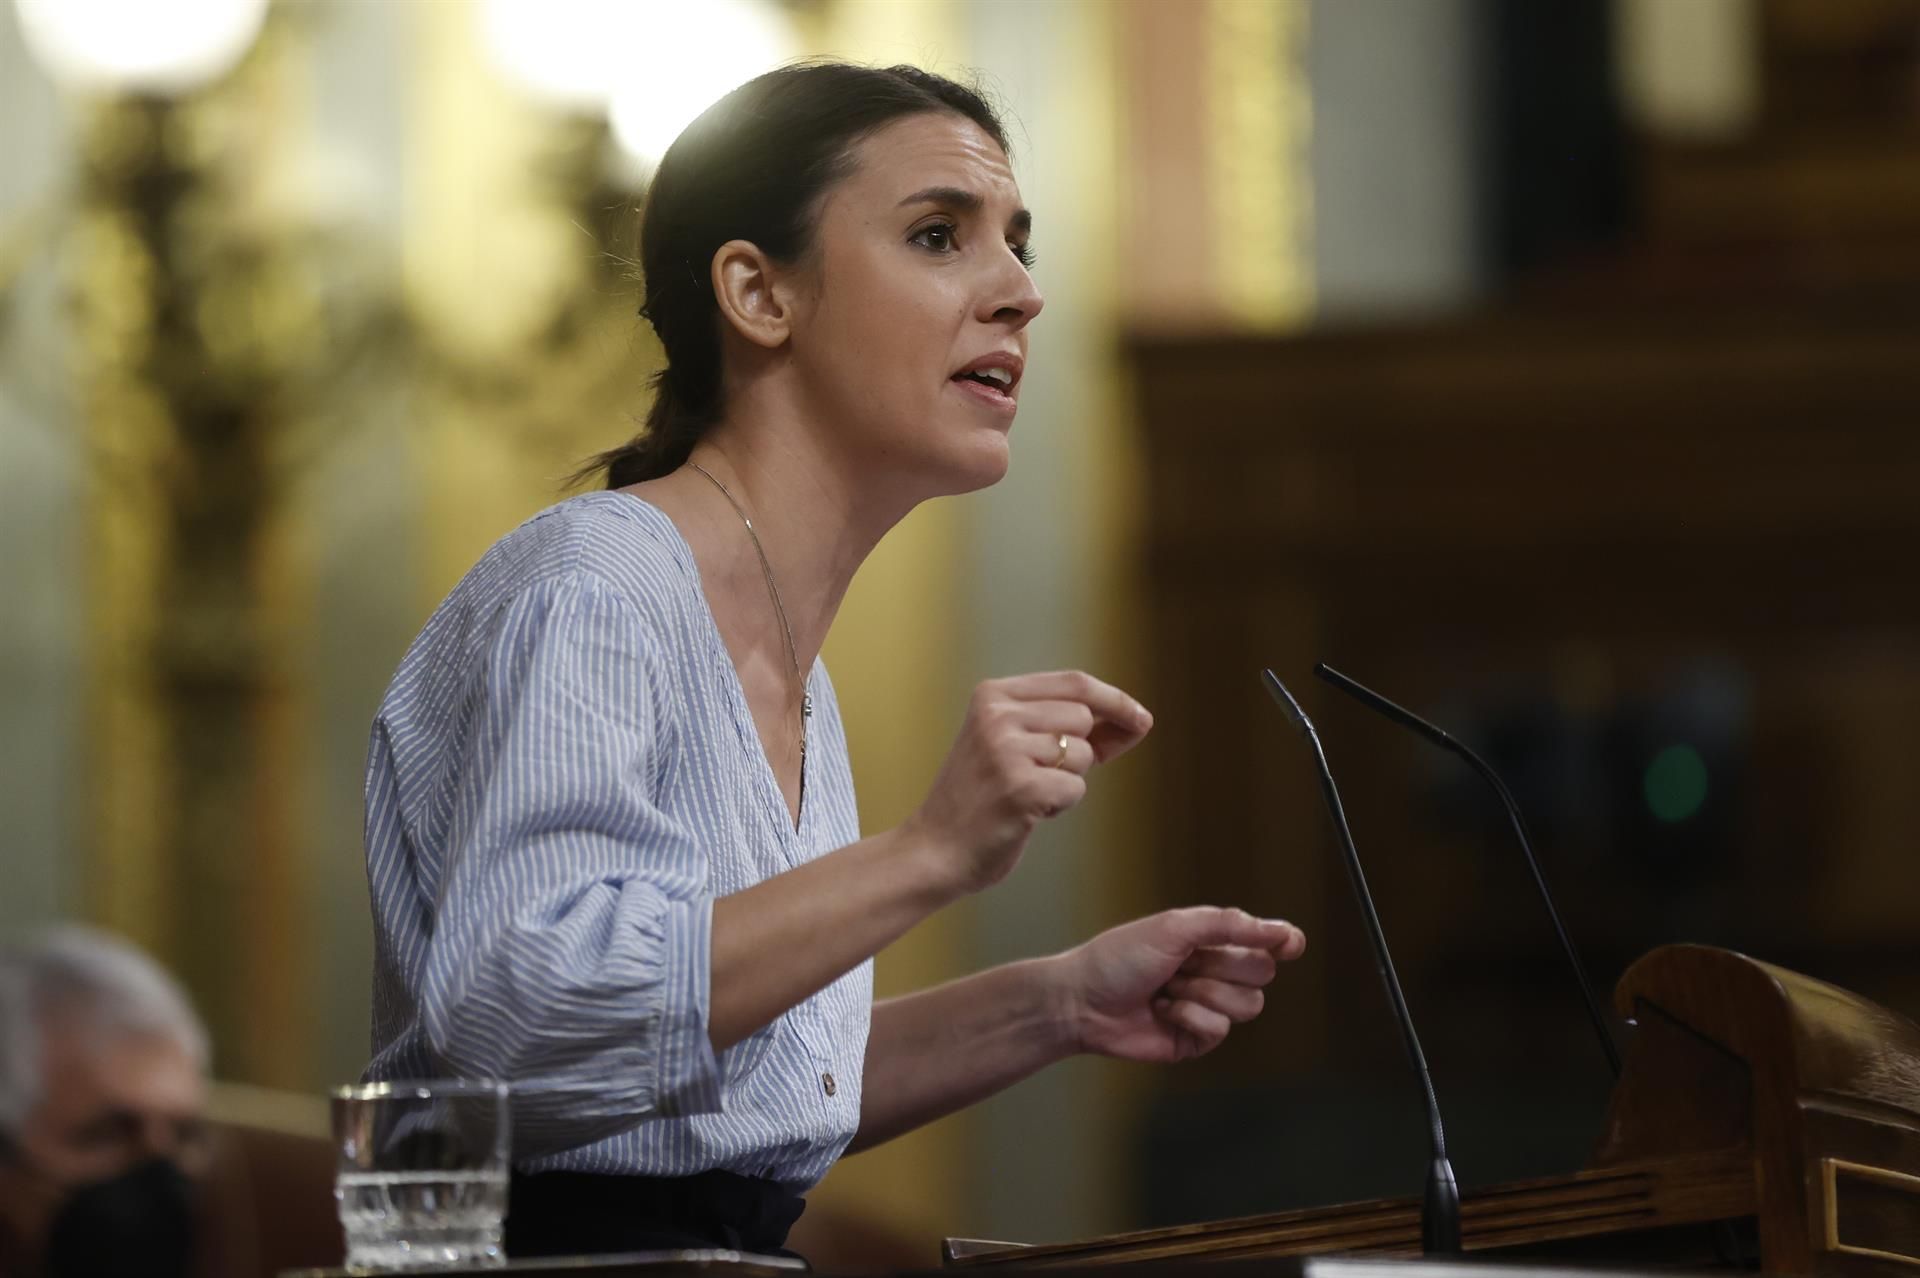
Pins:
x: 563, y: 776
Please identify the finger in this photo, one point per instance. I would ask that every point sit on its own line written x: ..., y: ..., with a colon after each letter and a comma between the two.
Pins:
x: 1291, y: 948
x: 1110, y: 741
x: 1235, y: 963
x: 1074, y: 718
x: 1203, y: 925
x: 1106, y: 701
x: 1048, y: 752
x: 1051, y: 791
x: 1208, y: 1027
x: 1238, y: 1003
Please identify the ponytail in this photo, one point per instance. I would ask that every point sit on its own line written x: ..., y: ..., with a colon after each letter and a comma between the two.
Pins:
x: 663, y: 445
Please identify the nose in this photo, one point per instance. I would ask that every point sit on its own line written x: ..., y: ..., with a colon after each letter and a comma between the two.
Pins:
x: 182, y: 1143
x: 159, y: 1138
x: 1012, y: 298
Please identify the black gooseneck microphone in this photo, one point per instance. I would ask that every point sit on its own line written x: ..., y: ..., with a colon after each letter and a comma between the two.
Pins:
x: 1408, y: 719
x: 1440, y: 1208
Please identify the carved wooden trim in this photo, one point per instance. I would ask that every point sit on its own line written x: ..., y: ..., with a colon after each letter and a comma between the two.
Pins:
x: 1830, y: 1172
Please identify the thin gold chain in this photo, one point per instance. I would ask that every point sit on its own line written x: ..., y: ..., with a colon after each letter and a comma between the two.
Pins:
x: 786, y: 627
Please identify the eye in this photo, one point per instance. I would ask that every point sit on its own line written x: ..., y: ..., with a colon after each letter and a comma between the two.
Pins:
x: 937, y: 236
x: 111, y: 1130
x: 1024, y: 251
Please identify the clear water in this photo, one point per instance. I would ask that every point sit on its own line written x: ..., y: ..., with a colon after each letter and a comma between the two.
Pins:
x: 422, y: 1219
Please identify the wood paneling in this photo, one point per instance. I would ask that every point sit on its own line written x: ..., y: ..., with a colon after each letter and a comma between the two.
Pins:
x: 1578, y: 501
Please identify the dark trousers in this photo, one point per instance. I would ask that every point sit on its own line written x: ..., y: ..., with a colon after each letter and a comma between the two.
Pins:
x: 580, y: 1214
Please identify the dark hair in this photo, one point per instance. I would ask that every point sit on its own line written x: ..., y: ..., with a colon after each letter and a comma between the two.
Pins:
x: 752, y: 167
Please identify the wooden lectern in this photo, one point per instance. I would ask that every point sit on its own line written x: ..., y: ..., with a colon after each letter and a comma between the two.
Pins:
x: 1752, y: 1098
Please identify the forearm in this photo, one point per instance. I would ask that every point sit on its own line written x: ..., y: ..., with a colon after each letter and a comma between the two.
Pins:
x: 940, y: 1050
x: 1021, y: 757
x: 789, y: 936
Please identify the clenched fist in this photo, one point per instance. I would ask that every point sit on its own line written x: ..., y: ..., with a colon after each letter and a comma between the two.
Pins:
x: 1022, y: 756
x: 1170, y: 986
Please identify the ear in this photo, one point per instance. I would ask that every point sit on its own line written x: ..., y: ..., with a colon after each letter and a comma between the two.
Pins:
x: 747, y: 288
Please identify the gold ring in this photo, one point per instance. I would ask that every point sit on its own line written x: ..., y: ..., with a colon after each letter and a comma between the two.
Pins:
x: 1059, y: 760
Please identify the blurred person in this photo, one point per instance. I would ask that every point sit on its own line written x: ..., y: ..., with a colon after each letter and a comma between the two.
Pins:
x: 102, y: 1096
x: 611, y: 837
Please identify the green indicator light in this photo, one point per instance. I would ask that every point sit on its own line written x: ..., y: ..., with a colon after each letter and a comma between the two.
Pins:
x: 1676, y: 783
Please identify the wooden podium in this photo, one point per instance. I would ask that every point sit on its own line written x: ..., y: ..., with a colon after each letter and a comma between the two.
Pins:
x: 1754, y: 1102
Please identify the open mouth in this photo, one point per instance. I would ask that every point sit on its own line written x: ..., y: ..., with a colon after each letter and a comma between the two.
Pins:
x: 990, y: 385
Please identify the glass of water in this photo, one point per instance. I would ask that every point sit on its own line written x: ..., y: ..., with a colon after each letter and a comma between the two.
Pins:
x: 423, y: 1173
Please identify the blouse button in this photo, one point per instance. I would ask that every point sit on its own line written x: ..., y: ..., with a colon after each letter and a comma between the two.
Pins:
x: 828, y: 1085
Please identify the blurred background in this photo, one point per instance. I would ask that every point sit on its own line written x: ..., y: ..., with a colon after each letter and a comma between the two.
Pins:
x: 1553, y: 368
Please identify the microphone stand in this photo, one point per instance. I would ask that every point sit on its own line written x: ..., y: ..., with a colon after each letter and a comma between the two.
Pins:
x: 1408, y: 719
x: 1440, y: 1206
x: 1725, y: 1241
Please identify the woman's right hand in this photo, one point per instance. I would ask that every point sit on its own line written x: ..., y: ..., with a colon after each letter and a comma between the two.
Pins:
x: 1006, y: 772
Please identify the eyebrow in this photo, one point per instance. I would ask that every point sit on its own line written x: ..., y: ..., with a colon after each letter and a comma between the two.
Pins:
x: 967, y: 202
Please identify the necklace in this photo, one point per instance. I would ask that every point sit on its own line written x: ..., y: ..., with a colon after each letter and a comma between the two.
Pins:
x: 786, y: 628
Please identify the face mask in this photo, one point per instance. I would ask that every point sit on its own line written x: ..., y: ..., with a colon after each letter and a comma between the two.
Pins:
x: 137, y: 1225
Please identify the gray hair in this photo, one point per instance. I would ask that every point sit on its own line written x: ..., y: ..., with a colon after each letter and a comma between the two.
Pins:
x: 79, y: 975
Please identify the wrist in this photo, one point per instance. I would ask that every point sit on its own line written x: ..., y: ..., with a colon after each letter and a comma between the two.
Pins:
x: 934, y: 865
x: 1058, y: 1001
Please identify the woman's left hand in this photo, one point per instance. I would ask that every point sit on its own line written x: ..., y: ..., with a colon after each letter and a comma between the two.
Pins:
x: 1170, y: 986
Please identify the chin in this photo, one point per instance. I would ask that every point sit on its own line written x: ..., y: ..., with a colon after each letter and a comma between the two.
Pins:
x: 982, y: 464
x: 941, y: 458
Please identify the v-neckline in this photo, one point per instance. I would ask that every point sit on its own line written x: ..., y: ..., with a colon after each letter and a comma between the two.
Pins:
x: 790, y: 824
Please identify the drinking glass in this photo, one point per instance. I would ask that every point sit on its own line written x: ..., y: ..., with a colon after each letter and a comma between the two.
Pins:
x: 422, y: 1179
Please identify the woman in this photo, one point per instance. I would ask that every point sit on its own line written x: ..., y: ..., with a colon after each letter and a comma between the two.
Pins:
x: 611, y: 835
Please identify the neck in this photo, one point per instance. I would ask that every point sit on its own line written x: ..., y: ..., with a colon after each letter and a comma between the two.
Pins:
x: 814, y: 525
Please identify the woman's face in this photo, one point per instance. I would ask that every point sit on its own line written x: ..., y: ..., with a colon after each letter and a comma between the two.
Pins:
x: 911, y: 311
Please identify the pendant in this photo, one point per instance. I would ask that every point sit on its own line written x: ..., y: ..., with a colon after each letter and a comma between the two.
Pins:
x: 806, y: 706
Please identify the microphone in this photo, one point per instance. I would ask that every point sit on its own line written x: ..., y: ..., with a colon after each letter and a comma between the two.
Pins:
x: 1440, y: 1208
x: 1408, y: 719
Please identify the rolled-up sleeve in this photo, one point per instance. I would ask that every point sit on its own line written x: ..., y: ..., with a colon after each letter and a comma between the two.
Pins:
x: 570, y: 951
